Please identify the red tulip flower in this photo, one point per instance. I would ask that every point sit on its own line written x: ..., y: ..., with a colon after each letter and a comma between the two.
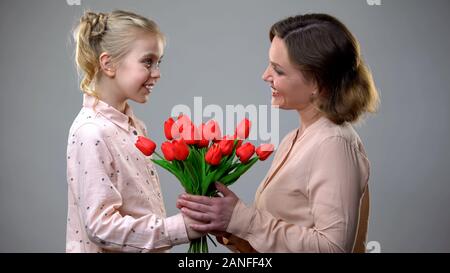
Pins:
x: 213, y: 155
x: 203, y: 142
x: 264, y: 151
x: 183, y: 122
x: 145, y: 145
x: 245, y: 152
x: 239, y: 142
x: 226, y: 145
x: 243, y: 129
x: 181, y: 149
x: 168, y: 150
x: 190, y: 134
x: 199, y: 156
x: 183, y: 119
x: 188, y: 130
x: 171, y: 130
x: 211, y: 130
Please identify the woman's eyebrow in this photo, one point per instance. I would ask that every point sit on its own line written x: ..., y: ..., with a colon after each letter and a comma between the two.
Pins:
x: 275, y: 64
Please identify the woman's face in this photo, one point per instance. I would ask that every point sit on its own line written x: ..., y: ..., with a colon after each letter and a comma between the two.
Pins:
x: 139, y: 71
x: 290, y: 89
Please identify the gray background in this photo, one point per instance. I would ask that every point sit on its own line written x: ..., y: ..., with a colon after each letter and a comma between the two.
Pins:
x: 218, y: 50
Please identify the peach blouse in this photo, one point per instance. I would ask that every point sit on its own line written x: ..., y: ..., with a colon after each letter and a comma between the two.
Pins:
x: 312, y: 199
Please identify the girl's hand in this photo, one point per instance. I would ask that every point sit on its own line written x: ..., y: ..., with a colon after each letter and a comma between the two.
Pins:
x: 214, y: 212
x: 192, y: 234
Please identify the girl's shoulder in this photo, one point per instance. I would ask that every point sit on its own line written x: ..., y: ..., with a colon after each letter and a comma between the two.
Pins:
x: 141, y: 125
x: 90, y: 124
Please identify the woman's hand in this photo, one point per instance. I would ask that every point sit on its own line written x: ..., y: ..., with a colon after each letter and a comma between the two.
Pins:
x: 214, y: 212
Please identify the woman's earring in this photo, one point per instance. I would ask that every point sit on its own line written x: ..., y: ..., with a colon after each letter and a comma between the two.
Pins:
x: 313, y: 96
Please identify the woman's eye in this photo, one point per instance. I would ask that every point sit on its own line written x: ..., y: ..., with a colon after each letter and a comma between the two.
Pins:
x: 278, y: 71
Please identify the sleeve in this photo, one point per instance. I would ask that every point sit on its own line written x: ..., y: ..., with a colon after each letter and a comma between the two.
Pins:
x: 236, y: 244
x: 338, y: 175
x: 99, y: 203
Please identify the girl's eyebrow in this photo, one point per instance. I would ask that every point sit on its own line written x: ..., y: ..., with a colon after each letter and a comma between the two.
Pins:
x: 152, y: 55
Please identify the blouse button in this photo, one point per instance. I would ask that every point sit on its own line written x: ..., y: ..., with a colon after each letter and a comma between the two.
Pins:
x: 135, y: 132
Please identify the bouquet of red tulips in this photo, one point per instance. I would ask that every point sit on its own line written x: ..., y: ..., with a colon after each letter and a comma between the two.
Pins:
x: 200, y: 156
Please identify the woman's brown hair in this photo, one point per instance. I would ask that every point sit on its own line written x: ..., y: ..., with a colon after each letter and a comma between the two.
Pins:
x: 326, y: 52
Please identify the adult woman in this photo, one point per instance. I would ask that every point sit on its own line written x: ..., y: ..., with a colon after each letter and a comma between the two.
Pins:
x: 315, y: 195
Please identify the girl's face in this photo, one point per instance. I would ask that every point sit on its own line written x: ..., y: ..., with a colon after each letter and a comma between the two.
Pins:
x: 290, y: 89
x: 138, y: 72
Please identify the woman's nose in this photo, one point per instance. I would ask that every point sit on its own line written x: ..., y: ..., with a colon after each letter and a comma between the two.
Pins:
x: 266, y: 75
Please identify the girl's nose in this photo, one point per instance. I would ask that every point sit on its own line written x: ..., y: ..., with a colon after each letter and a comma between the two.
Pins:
x: 155, y: 73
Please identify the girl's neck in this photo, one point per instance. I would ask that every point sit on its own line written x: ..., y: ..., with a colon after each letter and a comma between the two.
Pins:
x: 108, y: 93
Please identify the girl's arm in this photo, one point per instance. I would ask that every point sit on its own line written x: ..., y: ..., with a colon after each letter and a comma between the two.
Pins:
x: 100, y: 202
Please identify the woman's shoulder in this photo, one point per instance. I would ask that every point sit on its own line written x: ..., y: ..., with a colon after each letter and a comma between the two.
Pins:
x: 343, y: 131
x: 331, y: 132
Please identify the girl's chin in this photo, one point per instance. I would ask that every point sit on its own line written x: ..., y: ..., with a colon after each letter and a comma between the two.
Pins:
x: 277, y: 102
x: 145, y: 99
x: 141, y: 99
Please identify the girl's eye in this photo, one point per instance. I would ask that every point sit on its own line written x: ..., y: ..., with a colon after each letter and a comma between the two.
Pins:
x: 148, y: 63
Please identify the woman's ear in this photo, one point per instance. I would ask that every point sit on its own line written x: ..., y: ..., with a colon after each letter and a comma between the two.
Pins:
x: 315, y: 90
x: 106, y: 65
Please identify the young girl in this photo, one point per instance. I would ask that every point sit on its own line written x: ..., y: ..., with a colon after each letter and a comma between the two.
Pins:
x: 115, y: 201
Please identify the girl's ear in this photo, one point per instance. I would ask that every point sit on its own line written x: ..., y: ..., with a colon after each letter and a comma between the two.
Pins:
x: 106, y: 65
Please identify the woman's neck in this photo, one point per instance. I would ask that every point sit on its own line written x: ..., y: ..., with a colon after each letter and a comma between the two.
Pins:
x: 308, y: 116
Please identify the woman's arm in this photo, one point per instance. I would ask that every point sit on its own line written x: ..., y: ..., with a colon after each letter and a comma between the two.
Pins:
x: 339, y: 173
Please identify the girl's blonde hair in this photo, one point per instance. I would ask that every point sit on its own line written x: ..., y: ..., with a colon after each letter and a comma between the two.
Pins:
x: 107, y: 32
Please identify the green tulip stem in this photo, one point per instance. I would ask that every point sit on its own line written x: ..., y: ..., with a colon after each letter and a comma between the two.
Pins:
x: 158, y: 155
